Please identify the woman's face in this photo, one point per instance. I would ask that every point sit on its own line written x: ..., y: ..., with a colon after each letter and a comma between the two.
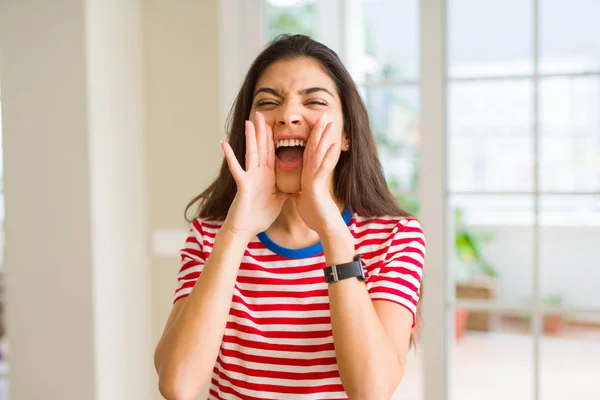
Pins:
x: 292, y: 95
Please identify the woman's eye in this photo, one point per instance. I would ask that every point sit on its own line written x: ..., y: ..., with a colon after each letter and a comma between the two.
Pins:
x: 265, y: 103
x: 318, y: 102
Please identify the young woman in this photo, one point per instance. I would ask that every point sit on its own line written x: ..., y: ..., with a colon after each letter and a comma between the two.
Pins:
x: 301, y: 275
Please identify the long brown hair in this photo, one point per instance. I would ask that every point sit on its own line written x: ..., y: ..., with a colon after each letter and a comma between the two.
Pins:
x: 358, y: 178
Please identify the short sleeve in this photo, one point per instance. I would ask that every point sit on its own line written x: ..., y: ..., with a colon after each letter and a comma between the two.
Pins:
x: 192, y: 261
x: 398, y: 278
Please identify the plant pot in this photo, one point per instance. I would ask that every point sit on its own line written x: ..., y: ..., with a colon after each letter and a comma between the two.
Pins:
x: 551, y: 324
x: 460, y: 322
x: 480, y: 288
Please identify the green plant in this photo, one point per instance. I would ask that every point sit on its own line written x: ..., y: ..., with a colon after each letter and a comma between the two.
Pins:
x: 469, y: 242
x: 553, y: 300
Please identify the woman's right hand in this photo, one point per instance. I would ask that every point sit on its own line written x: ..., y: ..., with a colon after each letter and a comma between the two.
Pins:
x: 257, y: 202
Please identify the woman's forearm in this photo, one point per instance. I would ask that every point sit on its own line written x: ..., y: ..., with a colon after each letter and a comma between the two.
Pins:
x: 187, y: 352
x: 368, y: 363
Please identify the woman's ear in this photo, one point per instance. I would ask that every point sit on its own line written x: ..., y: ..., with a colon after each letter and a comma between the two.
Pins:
x: 346, y: 143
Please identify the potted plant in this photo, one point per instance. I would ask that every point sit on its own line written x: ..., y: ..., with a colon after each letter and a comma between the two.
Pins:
x: 552, y: 321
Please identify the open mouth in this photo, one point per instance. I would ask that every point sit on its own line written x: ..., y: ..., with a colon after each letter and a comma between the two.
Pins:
x: 289, y: 153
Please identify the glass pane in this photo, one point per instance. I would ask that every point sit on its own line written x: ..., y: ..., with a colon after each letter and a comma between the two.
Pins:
x: 394, y: 115
x: 492, y: 258
x: 292, y: 16
x: 391, y: 40
x: 489, y: 38
x: 494, y: 364
x: 569, y: 250
x: 570, y: 356
x: 490, y: 140
x: 569, y: 36
x: 570, y: 134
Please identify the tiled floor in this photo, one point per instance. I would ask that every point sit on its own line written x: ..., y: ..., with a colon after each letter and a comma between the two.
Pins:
x: 499, y: 366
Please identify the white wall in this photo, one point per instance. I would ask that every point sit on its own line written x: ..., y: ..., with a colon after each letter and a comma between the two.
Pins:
x: 89, y: 176
x: 77, y: 276
x: 46, y: 180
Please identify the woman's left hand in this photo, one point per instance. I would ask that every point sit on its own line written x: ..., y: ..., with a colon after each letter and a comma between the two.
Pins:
x: 315, y: 203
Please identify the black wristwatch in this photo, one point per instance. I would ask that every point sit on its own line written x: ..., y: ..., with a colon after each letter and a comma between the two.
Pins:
x: 335, y: 273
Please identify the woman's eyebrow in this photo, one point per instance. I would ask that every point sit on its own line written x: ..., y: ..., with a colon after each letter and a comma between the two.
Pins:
x: 302, y: 92
x: 268, y: 90
x: 311, y: 90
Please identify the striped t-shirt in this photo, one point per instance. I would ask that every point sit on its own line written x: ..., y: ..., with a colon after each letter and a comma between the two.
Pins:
x: 278, y: 341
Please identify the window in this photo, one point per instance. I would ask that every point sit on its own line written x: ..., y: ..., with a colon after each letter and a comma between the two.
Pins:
x: 293, y: 17
x: 523, y: 133
x: 385, y: 69
x: 523, y: 183
x: 492, y: 84
x: 389, y: 80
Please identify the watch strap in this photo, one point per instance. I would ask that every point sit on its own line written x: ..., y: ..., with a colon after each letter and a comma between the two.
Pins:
x: 353, y: 269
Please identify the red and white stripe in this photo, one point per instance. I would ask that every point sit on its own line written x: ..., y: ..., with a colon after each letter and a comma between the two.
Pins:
x: 278, y: 341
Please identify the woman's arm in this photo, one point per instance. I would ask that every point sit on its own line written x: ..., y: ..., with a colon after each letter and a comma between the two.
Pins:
x: 371, y: 338
x: 185, y: 355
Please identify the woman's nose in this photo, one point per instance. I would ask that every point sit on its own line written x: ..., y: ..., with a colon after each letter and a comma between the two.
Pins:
x: 291, y: 121
x: 288, y: 116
